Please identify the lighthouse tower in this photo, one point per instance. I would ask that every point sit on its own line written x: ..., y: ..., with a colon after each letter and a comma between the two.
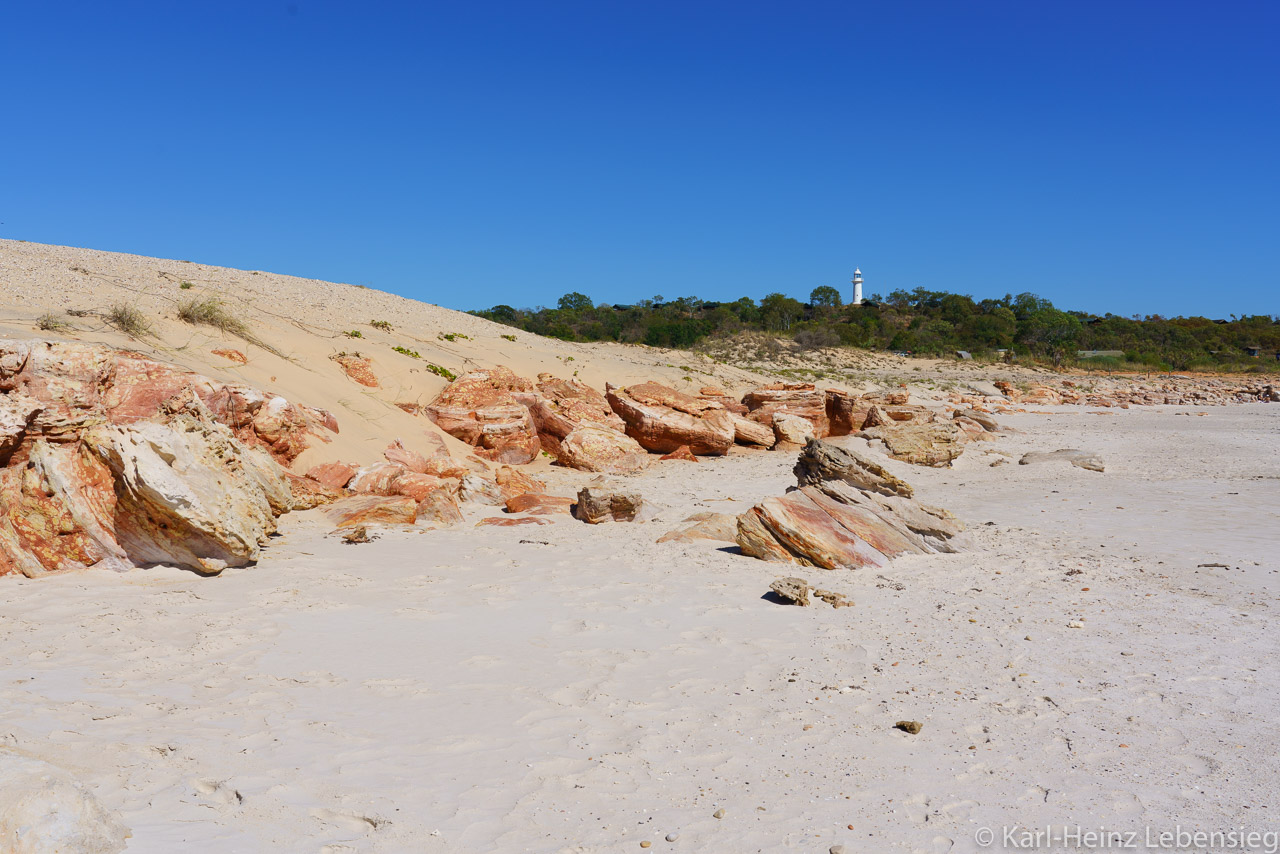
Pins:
x: 857, y: 287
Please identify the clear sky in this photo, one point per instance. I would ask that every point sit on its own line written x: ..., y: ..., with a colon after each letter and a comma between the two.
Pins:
x: 1112, y: 156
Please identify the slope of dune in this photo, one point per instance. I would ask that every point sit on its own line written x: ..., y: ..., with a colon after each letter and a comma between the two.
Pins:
x: 305, y: 322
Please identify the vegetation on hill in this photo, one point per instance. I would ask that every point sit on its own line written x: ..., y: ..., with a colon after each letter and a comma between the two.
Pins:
x: 923, y: 322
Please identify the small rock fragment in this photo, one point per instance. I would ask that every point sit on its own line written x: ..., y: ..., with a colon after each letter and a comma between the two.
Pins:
x: 794, y: 590
x: 358, y: 534
x: 672, y: 837
x: 912, y: 727
x: 718, y: 814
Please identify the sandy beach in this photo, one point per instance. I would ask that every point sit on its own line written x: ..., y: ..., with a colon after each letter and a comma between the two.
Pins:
x: 575, y: 688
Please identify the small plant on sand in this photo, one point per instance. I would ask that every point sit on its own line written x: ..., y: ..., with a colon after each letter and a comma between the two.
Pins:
x: 412, y: 354
x: 380, y: 324
x: 50, y: 322
x: 442, y: 372
x: 354, y: 333
x: 453, y: 336
x: 211, y: 312
x: 129, y: 320
x: 186, y: 286
x: 509, y: 337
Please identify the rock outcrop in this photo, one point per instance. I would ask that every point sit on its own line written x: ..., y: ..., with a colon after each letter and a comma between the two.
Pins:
x: 798, y: 399
x: 75, y: 386
x: 560, y: 407
x: 601, y: 501
x: 662, y: 419
x: 927, y: 440
x: 480, y: 408
x: 707, y: 525
x: 591, y: 448
x: 833, y: 521
x: 1080, y: 459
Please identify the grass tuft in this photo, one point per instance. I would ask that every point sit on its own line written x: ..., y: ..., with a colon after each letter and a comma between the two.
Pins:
x: 50, y: 322
x: 211, y: 312
x: 129, y: 320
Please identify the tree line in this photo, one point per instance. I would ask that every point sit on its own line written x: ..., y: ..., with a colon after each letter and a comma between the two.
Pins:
x: 923, y: 322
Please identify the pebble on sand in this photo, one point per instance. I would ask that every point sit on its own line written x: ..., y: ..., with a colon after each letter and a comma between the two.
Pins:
x: 718, y: 814
x: 912, y: 727
x: 672, y: 837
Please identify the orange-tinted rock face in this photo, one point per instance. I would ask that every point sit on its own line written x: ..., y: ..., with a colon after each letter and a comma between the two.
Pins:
x: 561, y: 406
x: 479, y: 408
x: 514, y: 482
x: 846, y: 412
x: 539, y: 504
x: 799, y: 399
x: 233, y: 355
x: 357, y: 368
x: 662, y: 419
x: 333, y: 475
x: 681, y: 453
x: 590, y: 448
x: 82, y: 384
x: 371, y: 509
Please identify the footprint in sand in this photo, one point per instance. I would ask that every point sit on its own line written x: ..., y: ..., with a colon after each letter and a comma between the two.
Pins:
x: 959, y: 810
x: 396, y: 687
x: 349, y: 820
x: 1197, y: 765
x: 217, y: 791
x: 1126, y: 804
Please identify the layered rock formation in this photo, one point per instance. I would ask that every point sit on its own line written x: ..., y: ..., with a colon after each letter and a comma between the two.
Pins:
x: 662, y: 419
x: 847, y: 512
x: 481, y: 409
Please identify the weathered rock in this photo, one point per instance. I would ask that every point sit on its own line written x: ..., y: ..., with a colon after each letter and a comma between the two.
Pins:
x: 791, y: 430
x: 1082, y: 459
x: 308, y: 493
x: 748, y: 432
x: 722, y: 397
x: 539, y: 504
x: 358, y: 368
x: 372, y: 510
x: 911, y: 727
x: 358, y: 534
x: 837, y: 522
x: 798, y: 399
x: 717, y: 527
x: 377, y: 479
x: 604, y: 502
x: 662, y: 419
x: 934, y: 442
x: 561, y: 406
x: 335, y: 475
x: 596, y: 449
x: 513, y: 521
x: 476, y: 489
x: 823, y: 461
x: 419, y: 486
x: 43, y: 810
x: 188, y: 493
x: 439, y: 509
x: 846, y: 412
x: 512, y: 482
x: 480, y: 409
x: 835, y: 600
x: 985, y: 419
x: 793, y: 590
x: 80, y: 385
x: 681, y: 453
x: 231, y: 355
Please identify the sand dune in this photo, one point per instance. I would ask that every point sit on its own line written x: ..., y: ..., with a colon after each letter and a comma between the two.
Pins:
x: 1102, y: 657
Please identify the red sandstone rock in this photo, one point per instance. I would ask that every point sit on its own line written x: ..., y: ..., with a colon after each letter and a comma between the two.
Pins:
x: 539, y: 504
x: 377, y: 479
x: 800, y: 399
x: 662, y: 419
x: 358, y: 368
x: 480, y: 409
x: 335, y: 475
x: 681, y: 453
x: 590, y: 448
x: 420, y: 486
x: 846, y: 412
x: 372, y: 509
x: 561, y: 406
x: 513, y: 521
x: 439, y: 510
x: 513, y: 482
x: 234, y: 355
x: 308, y: 492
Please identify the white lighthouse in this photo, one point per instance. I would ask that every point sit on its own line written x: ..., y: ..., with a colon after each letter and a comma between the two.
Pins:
x: 857, y: 287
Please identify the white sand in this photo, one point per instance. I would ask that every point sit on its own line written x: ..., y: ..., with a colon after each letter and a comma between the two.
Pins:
x: 569, y: 688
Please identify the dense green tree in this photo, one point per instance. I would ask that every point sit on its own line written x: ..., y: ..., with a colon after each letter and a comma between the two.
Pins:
x: 574, y: 301
x: 825, y: 296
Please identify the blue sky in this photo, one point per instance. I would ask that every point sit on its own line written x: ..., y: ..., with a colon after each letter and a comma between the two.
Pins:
x: 1111, y: 156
